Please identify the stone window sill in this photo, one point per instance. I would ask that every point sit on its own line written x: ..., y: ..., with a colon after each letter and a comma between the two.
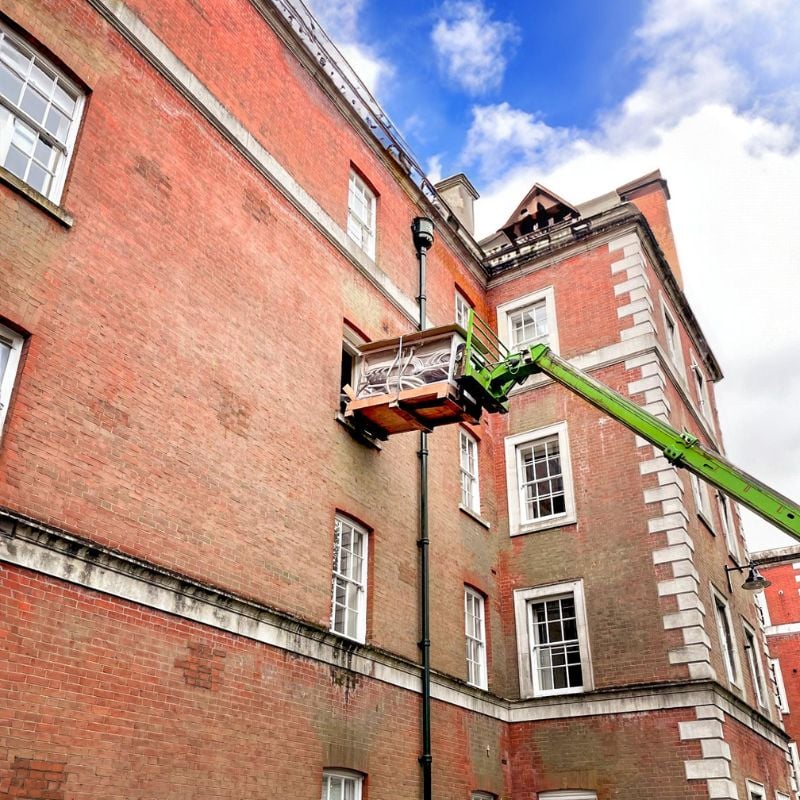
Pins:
x: 31, y: 195
x: 359, y: 435
x: 480, y: 520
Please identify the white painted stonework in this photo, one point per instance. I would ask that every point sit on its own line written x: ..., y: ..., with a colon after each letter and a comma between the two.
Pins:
x: 647, y: 387
x: 29, y: 545
x: 715, y: 765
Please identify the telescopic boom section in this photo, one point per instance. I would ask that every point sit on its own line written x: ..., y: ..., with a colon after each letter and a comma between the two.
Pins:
x: 491, y: 371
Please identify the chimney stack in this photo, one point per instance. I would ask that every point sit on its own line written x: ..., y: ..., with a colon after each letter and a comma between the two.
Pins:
x: 460, y: 195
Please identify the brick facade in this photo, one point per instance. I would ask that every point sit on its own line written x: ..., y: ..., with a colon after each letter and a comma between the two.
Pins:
x: 781, y: 610
x: 171, y: 464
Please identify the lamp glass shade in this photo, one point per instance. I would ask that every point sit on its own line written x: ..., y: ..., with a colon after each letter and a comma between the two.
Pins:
x: 755, y: 581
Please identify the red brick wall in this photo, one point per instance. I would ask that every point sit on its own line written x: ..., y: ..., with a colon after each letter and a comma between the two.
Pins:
x: 786, y: 648
x: 783, y: 597
x: 756, y: 759
x: 652, y: 202
x: 96, y: 699
x: 176, y: 402
x: 783, y: 603
x: 604, y: 754
x: 172, y: 368
x: 586, y: 307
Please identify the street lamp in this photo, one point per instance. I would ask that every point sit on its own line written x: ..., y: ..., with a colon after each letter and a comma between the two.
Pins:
x: 754, y: 582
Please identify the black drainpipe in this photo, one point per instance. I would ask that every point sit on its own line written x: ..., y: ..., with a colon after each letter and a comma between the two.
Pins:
x: 422, y: 232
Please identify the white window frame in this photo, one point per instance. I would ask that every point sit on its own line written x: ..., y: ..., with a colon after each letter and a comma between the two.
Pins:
x: 351, y: 341
x: 700, y: 383
x: 64, y: 148
x: 756, y: 666
x: 674, y: 347
x: 518, y: 523
x: 362, y: 231
x: 506, y: 310
x: 354, y: 584
x: 781, y: 795
x: 794, y: 760
x: 762, y: 608
x: 755, y: 790
x: 463, y: 307
x: 728, y: 528
x: 475, y: 633
x: 523, y: 598
x: 345, y: 776
x: 702, y: 500
x: 7, y: 380
x: 568, y: 794
x: 781, y: 698
x: 470, y: 471
x: 729, y: 649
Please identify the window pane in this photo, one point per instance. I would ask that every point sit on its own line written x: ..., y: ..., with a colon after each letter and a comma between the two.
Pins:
x: 529, y: 325
x: 555, y: 646
x: 542, y: 483
x: 726, y: 639
x: 10, y: 84
x: 44, y: 153
x: 39, y: 178
x: 64, y: 100
x: 16, y: 162
x: 344, y: 560
x: 41, y: 111
x: 41, y: 79
x: 475, y: 638
x: 11, y: 54
x: 34, y: 104
x: 361, y: 214
x: 349, y: 578
x: 352, y: 623
x: 57, y: 124
x: 5, y: 353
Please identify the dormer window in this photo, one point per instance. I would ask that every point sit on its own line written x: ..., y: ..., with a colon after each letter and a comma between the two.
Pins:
x: 540, y: 210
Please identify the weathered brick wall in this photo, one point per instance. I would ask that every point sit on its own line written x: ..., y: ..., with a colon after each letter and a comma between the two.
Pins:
x: 754, y: 758
x: 585, y: 303
x: 98, y: 699
x: 786, y: 648
x: 176, y: 402
x: 177, y: 396
x: 605, y: 754
x: 783, y: 597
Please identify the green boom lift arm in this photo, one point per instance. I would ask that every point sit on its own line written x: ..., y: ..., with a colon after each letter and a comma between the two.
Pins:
x: 489, y: 371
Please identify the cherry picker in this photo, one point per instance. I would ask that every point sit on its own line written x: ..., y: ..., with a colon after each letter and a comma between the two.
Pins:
x: 452, y: 374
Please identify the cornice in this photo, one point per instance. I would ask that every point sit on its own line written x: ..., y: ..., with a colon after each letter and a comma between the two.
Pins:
x: 32, y: 545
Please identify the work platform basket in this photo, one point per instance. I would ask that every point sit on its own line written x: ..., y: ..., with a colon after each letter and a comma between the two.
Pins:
x: 419, y: 381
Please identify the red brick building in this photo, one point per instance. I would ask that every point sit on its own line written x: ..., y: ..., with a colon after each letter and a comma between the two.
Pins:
x: 209, y: 582
x: 780, y: 608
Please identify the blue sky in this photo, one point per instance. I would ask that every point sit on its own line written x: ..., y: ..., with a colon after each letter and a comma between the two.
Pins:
x: 551, y: 59
x: 583, y: 97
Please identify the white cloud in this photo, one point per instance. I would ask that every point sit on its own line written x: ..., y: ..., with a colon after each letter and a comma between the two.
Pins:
x: 434, y: 168
x: 472, y: 48
x: 373, y: 71
x: 717, y: 111
x: 338, y: 17
x: 500, y: 135
x: 340, y: 20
